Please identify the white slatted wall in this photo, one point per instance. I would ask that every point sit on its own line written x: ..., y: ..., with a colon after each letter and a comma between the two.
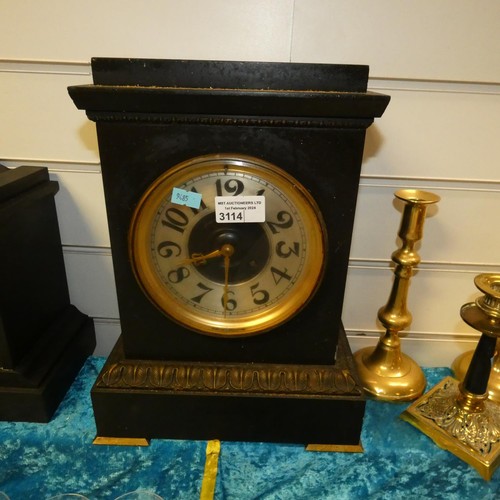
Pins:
x: 438, y: 59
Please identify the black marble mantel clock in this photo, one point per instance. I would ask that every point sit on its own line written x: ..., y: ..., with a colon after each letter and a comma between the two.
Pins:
x: 230, y: 190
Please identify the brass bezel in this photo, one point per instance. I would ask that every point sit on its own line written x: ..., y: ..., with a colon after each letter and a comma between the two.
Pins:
x: 252, y: 324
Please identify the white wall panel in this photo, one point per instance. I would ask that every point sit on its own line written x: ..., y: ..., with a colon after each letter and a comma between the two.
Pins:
x: 81, y: 210
x: 107, y: 332
x: 428, y: 134
x: 40, y: 121
x: 461, y: 228
x: 428, y: 39
x: 91, y: 281
x: 73, y: 30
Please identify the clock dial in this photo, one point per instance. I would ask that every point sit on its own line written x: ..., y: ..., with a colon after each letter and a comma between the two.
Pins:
x: 215, y: 273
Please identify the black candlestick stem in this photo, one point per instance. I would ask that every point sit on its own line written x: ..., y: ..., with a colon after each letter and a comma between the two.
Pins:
x: 478, y: 374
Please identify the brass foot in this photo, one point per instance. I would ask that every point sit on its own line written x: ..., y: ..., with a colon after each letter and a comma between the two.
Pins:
x: 117, y: 441
x: 336, y: 448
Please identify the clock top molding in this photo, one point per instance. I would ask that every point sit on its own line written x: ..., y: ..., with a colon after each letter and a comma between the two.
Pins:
x: 230, y: 92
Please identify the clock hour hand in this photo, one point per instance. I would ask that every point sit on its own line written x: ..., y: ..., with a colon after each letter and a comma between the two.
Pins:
x: 199, y: 258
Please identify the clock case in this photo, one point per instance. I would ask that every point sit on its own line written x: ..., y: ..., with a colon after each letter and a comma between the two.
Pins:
x: 44, y: 339
x: 296, y: 383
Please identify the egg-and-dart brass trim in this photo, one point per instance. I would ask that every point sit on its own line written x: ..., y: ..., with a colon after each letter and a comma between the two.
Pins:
x: 313, y: 380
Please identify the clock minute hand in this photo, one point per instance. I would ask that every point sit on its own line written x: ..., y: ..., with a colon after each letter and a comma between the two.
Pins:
x: 226, y: 282
x: 226, y: 251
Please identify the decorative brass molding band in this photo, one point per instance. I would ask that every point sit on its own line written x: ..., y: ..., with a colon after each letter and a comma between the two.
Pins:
x: 315, y: 380
x: 229, y: 121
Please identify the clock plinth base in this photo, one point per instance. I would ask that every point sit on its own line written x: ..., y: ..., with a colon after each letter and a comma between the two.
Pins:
x: 32, y: 391
x: 230, y: 401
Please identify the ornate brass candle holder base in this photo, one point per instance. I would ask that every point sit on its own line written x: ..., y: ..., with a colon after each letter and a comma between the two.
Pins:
x: 385, y: 372
x: 463, y: 423
x: 458, y: 416
x: 462, y: 362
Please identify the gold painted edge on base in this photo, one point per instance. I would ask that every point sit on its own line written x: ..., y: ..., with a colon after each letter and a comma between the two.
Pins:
x: 335, y: 448
x: 447, y: 442
x: 117, y: 441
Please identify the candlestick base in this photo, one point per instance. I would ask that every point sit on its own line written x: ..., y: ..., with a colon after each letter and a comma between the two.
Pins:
x: 388, y: 374
x: 460, y: 422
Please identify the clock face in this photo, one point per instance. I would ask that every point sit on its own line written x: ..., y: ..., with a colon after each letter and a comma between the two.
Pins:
x: 227, y: 245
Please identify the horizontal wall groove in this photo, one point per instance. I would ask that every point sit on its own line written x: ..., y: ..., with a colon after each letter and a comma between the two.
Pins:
x: 441, y: 183
x: 106, y: 320
x: 54, y: 165
x: 409, y: 335
x: 49, y: 67
x: 66, y: 67
x: 354, y: 263
x: 370, y: 333
x: 84, y: 250
x: 439, y: 86
x: 427, y: 266
x: 366, y: 181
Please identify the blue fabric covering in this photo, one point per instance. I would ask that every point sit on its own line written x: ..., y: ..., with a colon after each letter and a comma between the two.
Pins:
x: 41, y: 460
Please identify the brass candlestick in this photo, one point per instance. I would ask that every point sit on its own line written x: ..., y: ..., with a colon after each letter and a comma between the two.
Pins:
x: 461, y: 364
x: 385, y: 372
x: 458, y: 416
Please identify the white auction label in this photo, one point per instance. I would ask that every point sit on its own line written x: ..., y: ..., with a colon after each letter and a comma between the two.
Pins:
x: 240, y: 209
